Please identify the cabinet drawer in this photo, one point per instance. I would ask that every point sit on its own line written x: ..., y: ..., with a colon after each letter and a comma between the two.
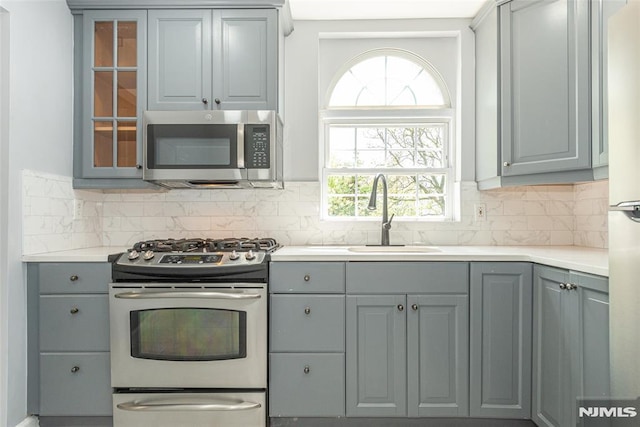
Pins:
x: 306, y: 385
x: 74, y: 323
x: 75, y: 384
x: 307, y: 323
x: 74, y: 278
x: 300, y: 277
x: 408, y: 277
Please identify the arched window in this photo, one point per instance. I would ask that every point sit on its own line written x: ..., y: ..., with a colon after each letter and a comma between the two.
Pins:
x: 388, y: 111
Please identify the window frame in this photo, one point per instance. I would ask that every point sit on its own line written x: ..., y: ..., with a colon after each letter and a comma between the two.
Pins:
x: 388, y: 116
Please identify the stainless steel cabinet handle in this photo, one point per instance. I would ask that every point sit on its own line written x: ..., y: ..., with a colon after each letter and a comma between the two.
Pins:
x: 217, y: 101
x: 563, y: 286
x: 205, y: 101
x: 414, y: 307
x: 630, y: 209
x: 73, y: 278
x: 74, y: 310
x: 187, y: 406
x: 187, y: 295
x: 306, y: 277
x: 400, y: 307
x: 307, y: 369
x: 75, y: 369
x: 506, y: 164
x: 307, y: 310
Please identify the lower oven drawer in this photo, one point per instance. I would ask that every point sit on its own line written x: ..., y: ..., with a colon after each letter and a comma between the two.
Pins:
x: 189, y: 409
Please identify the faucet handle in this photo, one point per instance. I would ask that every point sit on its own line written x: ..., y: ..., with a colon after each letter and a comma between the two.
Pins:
x: 387, y: 225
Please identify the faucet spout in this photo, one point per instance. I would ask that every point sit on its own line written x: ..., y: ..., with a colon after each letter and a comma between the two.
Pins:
x: 386, y: 221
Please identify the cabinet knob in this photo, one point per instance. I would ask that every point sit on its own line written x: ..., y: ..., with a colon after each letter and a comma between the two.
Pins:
x: 414, y: 307
x: 205, y: 101
x: 75, y: 369
x: 217, y: 101
x: 73, y: 278
x: 400, y: 307
x: 307, y: 310
x: 563, y: 286
x: 506, y: 164
x: 571, y: 287
x: 138, y: 166
x: 307, y: 369
x: 307, y: 277
x: 74, y: 310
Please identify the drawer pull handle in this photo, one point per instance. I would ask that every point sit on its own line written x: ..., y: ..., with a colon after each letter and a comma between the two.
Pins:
x: 73, y: 278
x: 307, y: 369
x: 307, y: 277
x: 307, y: 310
x: 74, y: 310
x: 75, y: 369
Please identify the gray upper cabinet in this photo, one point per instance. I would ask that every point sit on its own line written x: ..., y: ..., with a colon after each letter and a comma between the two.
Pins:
x: 110, y: 95
x: 179, y: 59
x: 570, y: 343
x: 541, y: 101
x: 544, y: 52
x: 213, y: 59
x: 501, y: 306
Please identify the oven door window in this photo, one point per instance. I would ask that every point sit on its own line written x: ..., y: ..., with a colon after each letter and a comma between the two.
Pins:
x: 188, y: 334
x: 194, y: 146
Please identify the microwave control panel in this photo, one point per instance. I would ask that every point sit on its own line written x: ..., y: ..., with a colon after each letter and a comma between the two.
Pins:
x: 256, y: 147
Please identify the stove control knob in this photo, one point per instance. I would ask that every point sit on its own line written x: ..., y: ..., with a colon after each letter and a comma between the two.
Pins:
x: 148, y: 255
x: 133, y: 255
x: 234, y: 256
x: 250, y: 255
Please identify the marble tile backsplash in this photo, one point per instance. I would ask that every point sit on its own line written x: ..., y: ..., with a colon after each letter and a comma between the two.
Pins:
x: 536, y: 215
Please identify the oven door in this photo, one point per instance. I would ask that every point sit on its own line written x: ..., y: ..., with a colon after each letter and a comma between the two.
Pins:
x: 188, y: 337
x: 189, y: 409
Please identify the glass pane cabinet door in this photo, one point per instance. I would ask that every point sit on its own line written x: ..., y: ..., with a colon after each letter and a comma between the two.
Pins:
x: 114, y: 95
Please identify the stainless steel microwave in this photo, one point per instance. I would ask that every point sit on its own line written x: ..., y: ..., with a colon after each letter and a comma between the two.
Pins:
x: 212, y: 149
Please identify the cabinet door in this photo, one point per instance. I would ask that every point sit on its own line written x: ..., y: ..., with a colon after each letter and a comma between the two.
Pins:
x: 601, y: 11
x: 545, y: 86
x: 179, y: 59
x: 376, y: 365
x: 438, y: 355
x: 592, y: 305
x: 114, y: 93
x: 551, y: 349
x: 245, y: 59
x: 501, y: 307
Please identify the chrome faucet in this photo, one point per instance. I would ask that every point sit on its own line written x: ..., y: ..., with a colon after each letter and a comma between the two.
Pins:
x: 386, y: 221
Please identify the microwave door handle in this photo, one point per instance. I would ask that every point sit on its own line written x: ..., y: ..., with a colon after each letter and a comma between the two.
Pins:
x: 240, y: 146
x: 187, y: 406
x: 188, y: 295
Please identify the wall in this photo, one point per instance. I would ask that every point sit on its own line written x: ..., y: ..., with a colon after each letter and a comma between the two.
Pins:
x: 541, y: 215
x: 301, y: 93
x: 39, y: 136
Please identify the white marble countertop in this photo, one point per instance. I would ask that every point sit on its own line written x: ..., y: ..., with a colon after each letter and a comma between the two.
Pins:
x: 588, y: 260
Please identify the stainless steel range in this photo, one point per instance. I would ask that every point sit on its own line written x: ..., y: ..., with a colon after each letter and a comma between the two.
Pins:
x: 188, y: 325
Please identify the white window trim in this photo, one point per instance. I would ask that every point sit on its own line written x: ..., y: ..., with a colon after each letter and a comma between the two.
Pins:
x: 386, y: 116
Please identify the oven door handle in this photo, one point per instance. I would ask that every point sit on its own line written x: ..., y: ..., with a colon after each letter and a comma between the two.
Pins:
x: 187, y: 406
x: 188, y: 295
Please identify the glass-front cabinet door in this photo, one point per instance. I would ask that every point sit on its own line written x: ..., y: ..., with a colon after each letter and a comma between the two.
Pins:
x: 114, y: 93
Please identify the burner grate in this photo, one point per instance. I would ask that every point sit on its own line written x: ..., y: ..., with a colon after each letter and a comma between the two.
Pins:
x: 207, y: 245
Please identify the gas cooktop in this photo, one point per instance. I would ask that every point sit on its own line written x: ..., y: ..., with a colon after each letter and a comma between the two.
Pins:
x: 194, y: 259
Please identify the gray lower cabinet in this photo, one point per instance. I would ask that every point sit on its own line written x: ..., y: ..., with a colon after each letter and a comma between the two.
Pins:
x: 306, y: 339
x: 203, y: 59
x: 570, y: 343
x: 407, y: 339
x: 68, y: 340
x: 501, y: 316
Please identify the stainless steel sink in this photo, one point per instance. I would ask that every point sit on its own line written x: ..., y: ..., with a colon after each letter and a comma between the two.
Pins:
x: 394, y: 249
